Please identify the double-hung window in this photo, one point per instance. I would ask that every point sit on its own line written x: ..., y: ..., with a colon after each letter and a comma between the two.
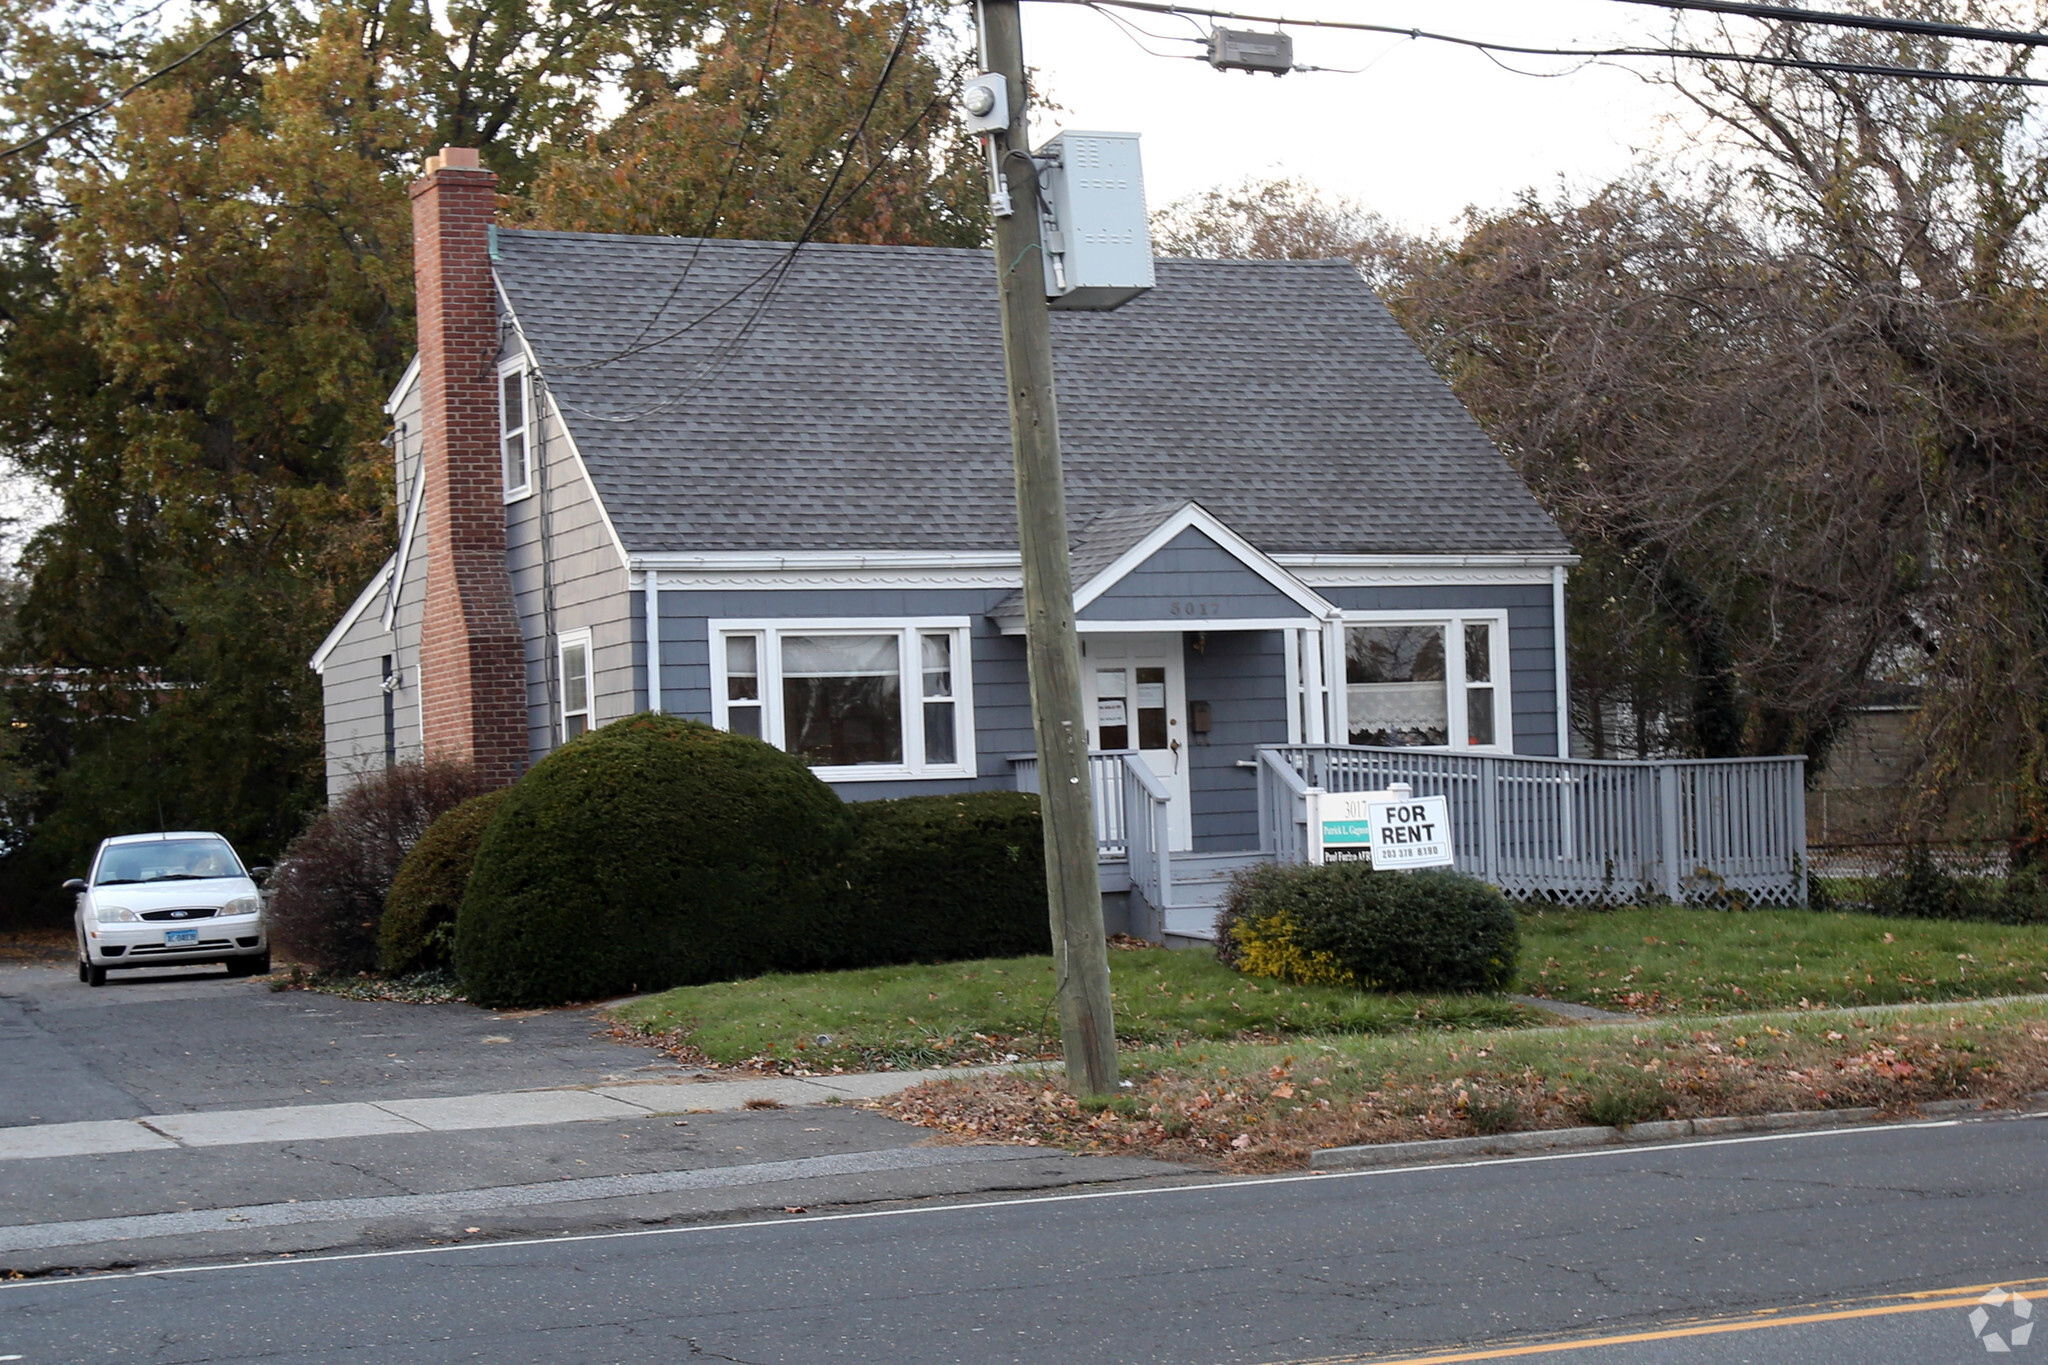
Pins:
x: 853, y: 699
x: 576, y: 689
x: 1430, y: 683
x: 515, y: 429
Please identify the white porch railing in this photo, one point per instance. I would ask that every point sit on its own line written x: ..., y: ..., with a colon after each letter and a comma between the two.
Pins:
x: 1130, y: 805
x: 1105, y: 795
x: 1574, y: 829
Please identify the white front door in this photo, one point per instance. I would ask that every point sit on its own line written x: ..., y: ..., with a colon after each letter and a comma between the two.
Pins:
x: 1136, y: 693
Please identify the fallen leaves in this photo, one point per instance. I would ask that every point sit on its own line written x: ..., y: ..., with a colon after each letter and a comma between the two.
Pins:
x: 1262, y: 1117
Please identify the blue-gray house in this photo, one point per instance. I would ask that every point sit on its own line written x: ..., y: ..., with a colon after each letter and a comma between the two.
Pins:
x: 772, y: 490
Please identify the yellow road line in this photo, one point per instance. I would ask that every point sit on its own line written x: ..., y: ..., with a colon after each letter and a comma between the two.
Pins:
x: 1918, y: 1301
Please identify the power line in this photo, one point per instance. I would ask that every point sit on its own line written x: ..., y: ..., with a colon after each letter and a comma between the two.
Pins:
x: 732, y: 167
x: 1788, y: 14
x: 68, y: 124
x: 1492, y: 48
x: 779, y: 270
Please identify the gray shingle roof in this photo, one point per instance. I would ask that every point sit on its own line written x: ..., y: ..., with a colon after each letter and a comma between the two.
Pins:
x: 861, y: 404
x: 1100, y: 544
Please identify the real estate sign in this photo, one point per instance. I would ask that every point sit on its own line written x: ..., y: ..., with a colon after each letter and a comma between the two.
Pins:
x: 1389, y: 829
x: 1345, y: 827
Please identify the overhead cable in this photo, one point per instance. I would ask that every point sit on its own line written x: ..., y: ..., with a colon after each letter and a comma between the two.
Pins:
x: 88, y: 115
x: 1792, y: 14
x: 1492, y: 48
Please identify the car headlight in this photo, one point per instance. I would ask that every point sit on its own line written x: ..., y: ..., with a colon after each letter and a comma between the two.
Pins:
x: 243, y: 905
x: 114, y: 914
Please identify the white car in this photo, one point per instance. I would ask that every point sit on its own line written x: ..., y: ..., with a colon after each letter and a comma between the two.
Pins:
x: 168, y: 900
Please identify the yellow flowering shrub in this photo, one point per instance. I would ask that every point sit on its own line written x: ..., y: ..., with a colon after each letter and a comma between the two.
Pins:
x: 1266, y: 947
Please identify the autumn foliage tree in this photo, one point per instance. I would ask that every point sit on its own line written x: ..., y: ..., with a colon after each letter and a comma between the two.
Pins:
x: 1782, y: 391
x: 206, y: 293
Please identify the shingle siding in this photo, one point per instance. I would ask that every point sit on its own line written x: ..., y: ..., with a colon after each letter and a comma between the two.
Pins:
x: 1242, y: 674
x: 589, y: 589
x: 1191, y: 577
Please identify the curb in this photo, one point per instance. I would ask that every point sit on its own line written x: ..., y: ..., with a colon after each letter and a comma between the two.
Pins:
x: 1570, y: 1139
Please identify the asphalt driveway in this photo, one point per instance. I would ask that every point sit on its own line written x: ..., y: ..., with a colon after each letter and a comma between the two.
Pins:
x: 191, y: 1039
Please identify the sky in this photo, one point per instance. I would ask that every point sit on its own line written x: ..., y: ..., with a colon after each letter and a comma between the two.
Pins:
x: 1426, y: 130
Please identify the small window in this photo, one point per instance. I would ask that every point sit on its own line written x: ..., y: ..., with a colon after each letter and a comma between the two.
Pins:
x: 575, y: 686
x: 743, y: 684
x: 941, y: 733
x: 512, y: 423
x: 1479, y: 683
x: 854, y: 699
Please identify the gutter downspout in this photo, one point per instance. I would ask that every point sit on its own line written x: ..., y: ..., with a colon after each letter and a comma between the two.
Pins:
x: 650, y: 588
x: 1564, y: 705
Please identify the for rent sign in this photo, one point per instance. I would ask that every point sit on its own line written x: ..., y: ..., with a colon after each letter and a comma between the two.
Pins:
x: 1409, y: 831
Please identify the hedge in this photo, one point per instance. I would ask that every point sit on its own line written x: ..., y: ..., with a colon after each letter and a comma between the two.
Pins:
x: 417, y: 932
x: 937, y: 879
x: 1344, y: 923
x: 653, y: 852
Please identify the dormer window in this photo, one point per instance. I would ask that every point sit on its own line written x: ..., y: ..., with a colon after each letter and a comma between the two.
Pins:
x: 515, y: 411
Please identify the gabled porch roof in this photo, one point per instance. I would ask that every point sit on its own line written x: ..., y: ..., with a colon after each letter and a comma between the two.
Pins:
x: 1174, y: 566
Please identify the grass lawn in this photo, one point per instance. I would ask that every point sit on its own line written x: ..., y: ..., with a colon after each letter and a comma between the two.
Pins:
x: 1266, y: 1106
x: 1668, y: 960
x: 992, y: 1010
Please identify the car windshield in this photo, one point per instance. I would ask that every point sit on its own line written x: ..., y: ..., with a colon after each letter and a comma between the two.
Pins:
x: 167, y: 860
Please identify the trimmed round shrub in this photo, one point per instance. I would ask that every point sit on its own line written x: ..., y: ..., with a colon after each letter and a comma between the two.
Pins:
x: 417, y: 933
x: 327, y: 895
x: 1344, y: 923
x: 654, y: 852
x: 938, y: 879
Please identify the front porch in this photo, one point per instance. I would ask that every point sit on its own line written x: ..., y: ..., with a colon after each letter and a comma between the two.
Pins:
x: 1572, y: 831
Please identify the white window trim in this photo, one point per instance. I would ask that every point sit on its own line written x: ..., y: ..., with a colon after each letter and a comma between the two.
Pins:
x: 1453, y: 621
x: 909, y: 658
x: 562, y: 712
x: 506, y: 369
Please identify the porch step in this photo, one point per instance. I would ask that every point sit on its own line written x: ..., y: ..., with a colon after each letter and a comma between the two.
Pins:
x: 1200, y: 882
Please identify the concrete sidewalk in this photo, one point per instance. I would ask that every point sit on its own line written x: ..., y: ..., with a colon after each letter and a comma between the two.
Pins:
x: 455, y: 1113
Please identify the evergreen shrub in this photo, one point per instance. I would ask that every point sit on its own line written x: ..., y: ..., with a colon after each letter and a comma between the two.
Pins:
x: 327, y: 895
x: 653, y: 852
x: 417, y: 933
x: 938, y: 879
x: 1345, y: 923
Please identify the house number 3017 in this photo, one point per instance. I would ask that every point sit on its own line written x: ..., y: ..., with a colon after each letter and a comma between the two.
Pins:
x: 1196, y: 609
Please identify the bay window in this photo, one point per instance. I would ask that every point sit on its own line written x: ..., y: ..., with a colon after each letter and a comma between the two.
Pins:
x: 852, y: 699
x: 1426, y: 683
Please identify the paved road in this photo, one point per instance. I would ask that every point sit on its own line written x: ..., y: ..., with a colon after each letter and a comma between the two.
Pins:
x: 1371, y: 1265
x: 195, y: 1039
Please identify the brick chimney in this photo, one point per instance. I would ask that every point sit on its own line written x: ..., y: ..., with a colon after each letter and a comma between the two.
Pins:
x: 472, y: 658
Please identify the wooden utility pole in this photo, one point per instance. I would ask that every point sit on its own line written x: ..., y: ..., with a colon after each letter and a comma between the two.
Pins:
x: 1080, y: 956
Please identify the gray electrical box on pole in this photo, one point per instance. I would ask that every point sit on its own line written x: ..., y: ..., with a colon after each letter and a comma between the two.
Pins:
x: 1236, y: 49
x: 1098, y: 239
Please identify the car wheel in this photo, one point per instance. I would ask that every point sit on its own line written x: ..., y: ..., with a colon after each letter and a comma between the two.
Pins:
x: 95, y: 975
x: 249, y: 966
x: 82, y: 969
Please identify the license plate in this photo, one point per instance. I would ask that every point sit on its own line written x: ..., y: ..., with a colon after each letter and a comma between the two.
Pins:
x: 172, y: 936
